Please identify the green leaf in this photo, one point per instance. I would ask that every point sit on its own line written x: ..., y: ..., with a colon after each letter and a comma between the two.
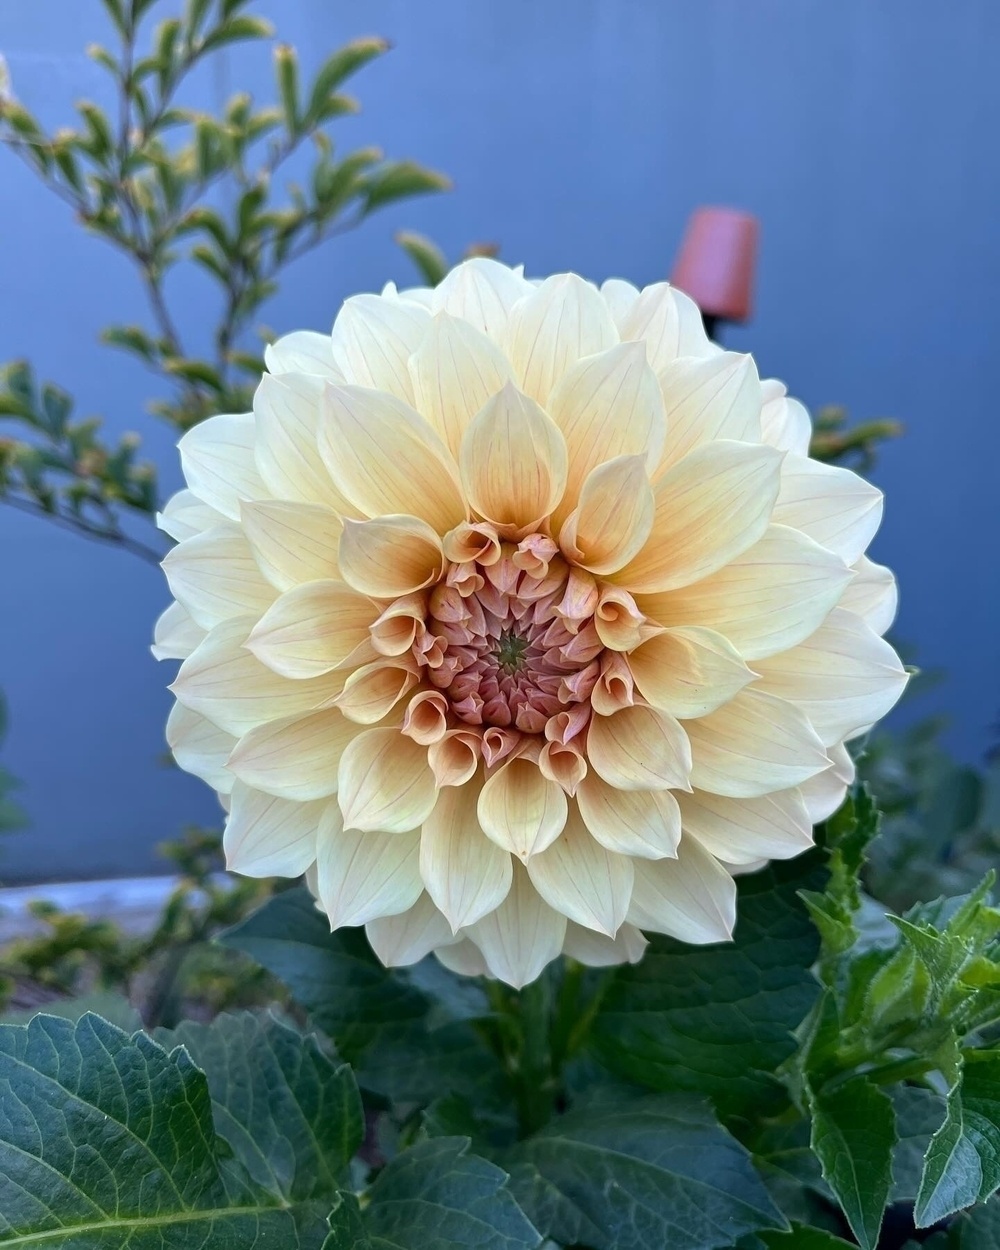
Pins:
x: 286, y: 68
x: 434, y: 1195
x: 292, y: 1115
x: 718, y: 1020
x: 978, y: 1229
x: 854, y: 1132
x: 108, y: 1141
x: 425, y: 254
x: 235, y: 30
x: 919, y: 1113
x: 337, y: 68
x: 399, y: 180
x: 962, y: 1166
x: 799, y: 1237
x: 640, y: 1175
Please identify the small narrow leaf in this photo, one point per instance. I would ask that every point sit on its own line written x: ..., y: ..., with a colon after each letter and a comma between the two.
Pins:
x: 425, y: 254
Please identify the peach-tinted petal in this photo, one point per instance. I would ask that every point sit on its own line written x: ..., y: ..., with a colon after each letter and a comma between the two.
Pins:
x: 692, y: 897
x: 520, y: 937
x: 549, y: 330
x: 407, y: 938
x: 766, y: 600
x: 312, y: 629
x: 582, y: 879
x: 292, y: 542
x: 639, y: 748
x: 296, y: 757
x: 742, y: 831
x: 385, y: 782
x: 269, y: 837
x: 834, y: 506
x: 688, y: 671
x: 455, y: 370
x: 753, y: 744
x: 704, y: 400
x: 454, y: 757
x: 872, y: 595
x: 372, y: 341
x: 363, y: 875
x: 465, y: 873
x: 390, y: 556
x: 513, y: 462
x: 217, y: 457
x: 373, y: 690
x: 522, y: 810
x: 200, y: 747
x: 668, y: 322
x: 645, y: 823
x: 618, y: 621
x: 384, y: 458
x: 710, y: 507
x: 611, y: 524
x: 216, y: 578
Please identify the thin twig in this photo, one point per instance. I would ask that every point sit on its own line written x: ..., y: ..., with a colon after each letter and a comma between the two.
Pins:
x: 80, y: 526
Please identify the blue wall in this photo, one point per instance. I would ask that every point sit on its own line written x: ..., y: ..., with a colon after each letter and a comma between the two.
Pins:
x: 580, y: 134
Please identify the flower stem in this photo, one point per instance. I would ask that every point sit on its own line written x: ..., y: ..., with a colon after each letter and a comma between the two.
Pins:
x: 535, y: 1081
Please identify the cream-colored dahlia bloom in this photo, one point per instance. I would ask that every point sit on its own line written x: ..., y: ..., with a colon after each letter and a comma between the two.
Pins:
x: 517, y: 618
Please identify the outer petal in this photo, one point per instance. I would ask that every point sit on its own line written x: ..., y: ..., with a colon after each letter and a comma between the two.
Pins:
x: 199, y: 747
x: 607, y: 406
x: 825, y: 792
x: 752, y: 745
x: 372, y: 340
x: 838, y: 509
x: 482, y: 292
x: 872, y: 595
x: 386, y: 783
x: 710, y: 507
x: 520, y: 937
x: 312, y: 629
x: 597, y: 951
x: 217, y: 457
x: 465, y: 873
x: 229, y: 685
x: 302, y: 351
x: 390, y: 556
x: 385, y: 458
x: 743, y: 831
x: 692, y: 897
x: 293, y: 542
x: 549, y: 330
x: 669, y: 323
x: 287, y: 412
x: 612, y: 523
x: 269, y: 837
x: 362, y: 876
x: 463, y: 958
x: 513, y: 462
x: 184, y: 515
x: 176, y: 635
x: 294, y: 758
x: 455, y: 370
x: 688, y: 671
x: 580, y: 878
x: 646, y: 823
x: 766, y: 600
x: 215, y: 576
x: 717, y: 397
x: 784, y: 422
x: 639, y: 748
x: 405, y: 939
x: 521, y: 810
x: 619, y: 296
x: 844, y: 677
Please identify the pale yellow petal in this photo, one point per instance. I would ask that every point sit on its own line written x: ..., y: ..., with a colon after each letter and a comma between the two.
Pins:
x: 611, y: 524
x: 287, y: 413
x: 598, y: 951
x: 455, y: 370
x: 619, y: 296
x: 520, y: 937
x: 691, y: 898
x: 718, y: 397
x: 270, y: 837
x: 646, y: 823
x: 834, y: 506
x: 743, y: 831
x: 361, y: 876
x: 386, y: 783
x: 175, y: 634
x: 312, y: 629
x: 482, y: 292
x: 200, y: 747
x: 372, y: 341
x: 401, y: 940
x: 825, y: 792
x: 753, y: 744
x: 216, y: 578
x: 293, y: 542
x: 577, y: 876
x: 373, y: 690
x: 390, y: 556
x: 302, y: 351
x: 639, y: 748
x: 294, y: 758
x: 784, y: 422
x: 217, y: 457
x: 872, y: 595
x: 668, y: 322
x: 710, y: 507
x: 520, y: 809
x: 464, y: 958
x: 844, y: 677
x: 465, y: 873
x: 607, y: 405
x: 766, y: 600
x: 185, y: 515
x: 549, y: 330
x: 688, y: 671
x: 385, y: 458
x: 513, y: 462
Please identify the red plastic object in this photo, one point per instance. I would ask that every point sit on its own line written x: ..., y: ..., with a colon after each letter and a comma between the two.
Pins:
x: 716, y: 262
